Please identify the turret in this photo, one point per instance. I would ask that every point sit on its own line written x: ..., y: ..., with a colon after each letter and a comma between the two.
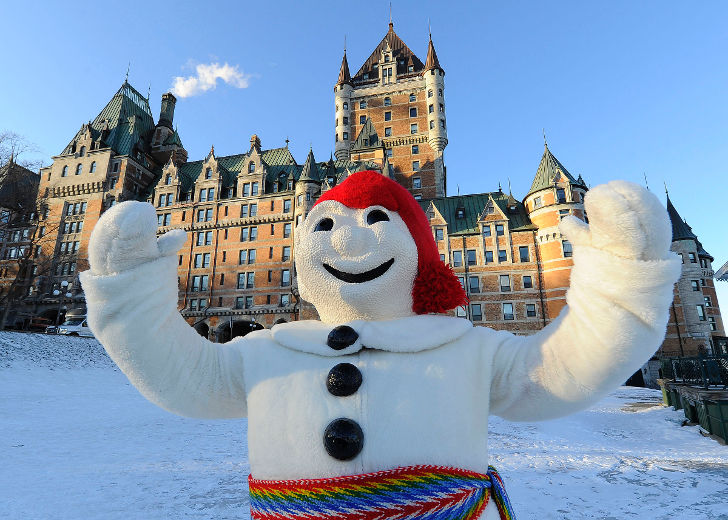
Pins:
x: 436, y: 121
x: 166, y: 114
x: 342, y: 92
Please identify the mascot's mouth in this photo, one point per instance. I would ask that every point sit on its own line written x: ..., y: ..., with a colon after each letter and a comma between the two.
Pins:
x: 360, y: 277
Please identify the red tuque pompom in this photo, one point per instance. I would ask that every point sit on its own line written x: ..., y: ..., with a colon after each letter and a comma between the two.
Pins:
x: 437, y: 289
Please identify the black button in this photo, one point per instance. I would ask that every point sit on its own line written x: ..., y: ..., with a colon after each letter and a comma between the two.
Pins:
x: 341, y: 337
x: 344, y: 379
x: 343, y: 439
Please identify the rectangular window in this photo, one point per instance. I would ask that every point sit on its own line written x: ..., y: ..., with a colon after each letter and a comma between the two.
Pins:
x: 708, y: 302
x: 389, y: 153
x: 567, y: 248
x: 413, y: 128
x: 250, y: 278
x: 474, y: 284
x: 195, y: 283
x: 285, y: 278
x: 240, y: 302
x: 502, y: 257
x: 205, y: 260
x: 476, y: 312
x: 248, y: 302
x: 387, y: 131
x: 415, y: 166
x: 246, y: 190
x: 527, y: 282
x: 701, y: 312
x: 416, y: 183
x: 388, y: 116
x: 241, y: 280
x: 285, y: 300
x: 531, y: 310
x: 457, y: 258
x: 244, y: 234
x: 692, y: 258
x: 505, y: 282
x: 253, y: 233
x: 431, y: 108
x: 287, y: 230
x: 560, y: 195
x: 488, y: 257
x: 499, y: 230
x: 253, y: 210
x: 203, y: 195
x: 413, y: 112
x: 193, y: 305
x: 472, y: 258
x: 243, y: 258
x: 537, y: 203
x: 251, y: 256
x: 702, y: 280
x: 362, y: 104
x: 415, y: 149
x: 439, y: 234
x: 523, y: 254
x: 208, y: 238
x: 460, y: 312
x: 204, y: 282
x: 287, y: 206
x: 254, y: 189
x: 442, y: 258
x: 198, y: 260
x: 713, y: 326
x: 486, y: 231
x: 362, y: 120
x: 200, y: 238
x: 695, y: 285
x: 286, y: 253
x: 508, y: 311
x: 244, y: 211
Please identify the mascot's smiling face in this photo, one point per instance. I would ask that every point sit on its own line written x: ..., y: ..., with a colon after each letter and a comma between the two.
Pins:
x: 355, y: 263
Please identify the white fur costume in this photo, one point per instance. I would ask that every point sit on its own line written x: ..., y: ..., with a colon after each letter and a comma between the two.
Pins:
x: 429, y: 382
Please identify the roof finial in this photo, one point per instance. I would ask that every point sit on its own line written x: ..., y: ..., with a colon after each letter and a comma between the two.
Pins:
x: 287, y: 141
x: 666, y: 193
x: 644, y: 174
x: 390, y: 14
x: 149, y: 91
x: 458, y: 190
x: 429, y: 28
x: 344, y: 43
x: 545, y: 143
x: 500, y: 189
x: 126, y: 80
x: 510, y: 192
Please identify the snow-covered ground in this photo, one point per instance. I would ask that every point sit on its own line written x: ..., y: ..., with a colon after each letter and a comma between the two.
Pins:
x: 77, y: 441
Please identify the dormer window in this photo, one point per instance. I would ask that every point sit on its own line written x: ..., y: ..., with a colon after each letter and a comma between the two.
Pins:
x: 460, y: 213
x: 411, y: 68
x: 412, y: 98
x: 489, y: 209
x: 251, y: 166
x: 386, y: 58
x: 82, y: 151
x: 168, y: 180
x: 208, y: 173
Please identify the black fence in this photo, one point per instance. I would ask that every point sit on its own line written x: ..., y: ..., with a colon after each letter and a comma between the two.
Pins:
x: 697, y: 371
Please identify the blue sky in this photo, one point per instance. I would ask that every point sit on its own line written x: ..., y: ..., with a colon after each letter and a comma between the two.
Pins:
x: 621, y: 88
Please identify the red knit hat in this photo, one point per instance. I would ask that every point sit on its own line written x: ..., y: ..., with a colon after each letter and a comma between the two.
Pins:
x: 436, y: 288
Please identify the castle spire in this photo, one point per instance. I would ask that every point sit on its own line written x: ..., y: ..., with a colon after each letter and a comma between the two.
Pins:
x: 344, y: 76
x: 432, y: 62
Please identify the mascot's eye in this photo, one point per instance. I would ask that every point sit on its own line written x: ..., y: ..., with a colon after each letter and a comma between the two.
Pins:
x: 377, y: 216
x: 325, y: 224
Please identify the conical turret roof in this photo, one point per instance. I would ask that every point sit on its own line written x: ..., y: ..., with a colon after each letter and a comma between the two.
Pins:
x: 432, y: 62
x: 344, y: 76
x: 310, y: 170
x: 548, y: 169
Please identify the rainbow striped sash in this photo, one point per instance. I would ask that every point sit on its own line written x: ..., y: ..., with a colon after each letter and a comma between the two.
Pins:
x: 415, y: 492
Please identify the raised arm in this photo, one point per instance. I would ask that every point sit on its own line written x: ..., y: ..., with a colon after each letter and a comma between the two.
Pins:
x: 131, y: 295
x: 617, y: 309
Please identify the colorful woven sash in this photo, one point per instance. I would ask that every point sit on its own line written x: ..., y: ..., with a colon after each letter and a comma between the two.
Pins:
x: 415, y: 492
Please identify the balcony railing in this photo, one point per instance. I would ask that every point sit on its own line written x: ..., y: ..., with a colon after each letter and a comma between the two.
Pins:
x: 698, y: 371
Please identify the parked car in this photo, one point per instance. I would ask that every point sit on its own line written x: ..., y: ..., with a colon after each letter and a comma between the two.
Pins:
x: 38, y: 324
x: 51, y: 329
x: 75, y: 326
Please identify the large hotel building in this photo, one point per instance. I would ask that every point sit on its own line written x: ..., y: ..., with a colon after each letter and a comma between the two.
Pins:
x: 241, y: 211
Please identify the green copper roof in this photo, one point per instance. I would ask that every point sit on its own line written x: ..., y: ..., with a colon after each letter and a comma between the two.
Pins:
x: 367, y: 137
x: 173, y: 139
x: 548, y: 168
x: 474, y: 206
x: 124, y: 122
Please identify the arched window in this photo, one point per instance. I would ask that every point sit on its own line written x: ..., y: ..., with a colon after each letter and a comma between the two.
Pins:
x: 432, y: 125
x: 82, y: 151
x: 168, y: 180
x: 79, y: 168
x: 65, y: 171
x: 208, y: 173
x: 251, y: 167
x: 429, y: 93
x: 93, y: 167
x: 387, y: 102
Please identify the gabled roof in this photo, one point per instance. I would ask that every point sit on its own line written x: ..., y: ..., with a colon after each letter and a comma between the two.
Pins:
x: 367, y: 137
x: 432, y: 62
x: 18, y: 186
x: 548, y: 169
x: 722, y: 273
x: 399, y: 51
x: 344, y: 76
x: 124, y: 120
x: 474, y: 206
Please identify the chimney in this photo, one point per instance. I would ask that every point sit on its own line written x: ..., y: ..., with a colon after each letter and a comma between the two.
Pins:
x: 166, y: 114
x: 255, y: 143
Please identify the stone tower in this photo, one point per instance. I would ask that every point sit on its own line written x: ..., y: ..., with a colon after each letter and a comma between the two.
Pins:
x: 554, y: 194
x: 401, y: 99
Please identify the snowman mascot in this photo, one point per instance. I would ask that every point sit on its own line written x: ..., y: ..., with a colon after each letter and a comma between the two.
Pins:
x: 380, y: 409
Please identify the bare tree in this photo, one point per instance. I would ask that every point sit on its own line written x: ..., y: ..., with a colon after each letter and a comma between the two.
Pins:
x: 16, y: 148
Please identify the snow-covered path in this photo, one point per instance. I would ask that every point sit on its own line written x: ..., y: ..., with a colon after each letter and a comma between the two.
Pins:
x: 77, y: 441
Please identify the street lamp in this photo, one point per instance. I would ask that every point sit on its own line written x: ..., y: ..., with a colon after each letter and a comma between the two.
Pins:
x: 65, y: 287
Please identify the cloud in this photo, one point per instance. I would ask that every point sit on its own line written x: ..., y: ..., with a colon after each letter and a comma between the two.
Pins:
x: 206, y: 79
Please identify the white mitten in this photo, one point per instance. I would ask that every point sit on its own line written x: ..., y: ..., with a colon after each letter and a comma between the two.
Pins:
x: 126, y: 236
x: 625, y: 220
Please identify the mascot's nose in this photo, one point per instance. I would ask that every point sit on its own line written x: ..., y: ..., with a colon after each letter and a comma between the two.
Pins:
x: 351, y: 241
